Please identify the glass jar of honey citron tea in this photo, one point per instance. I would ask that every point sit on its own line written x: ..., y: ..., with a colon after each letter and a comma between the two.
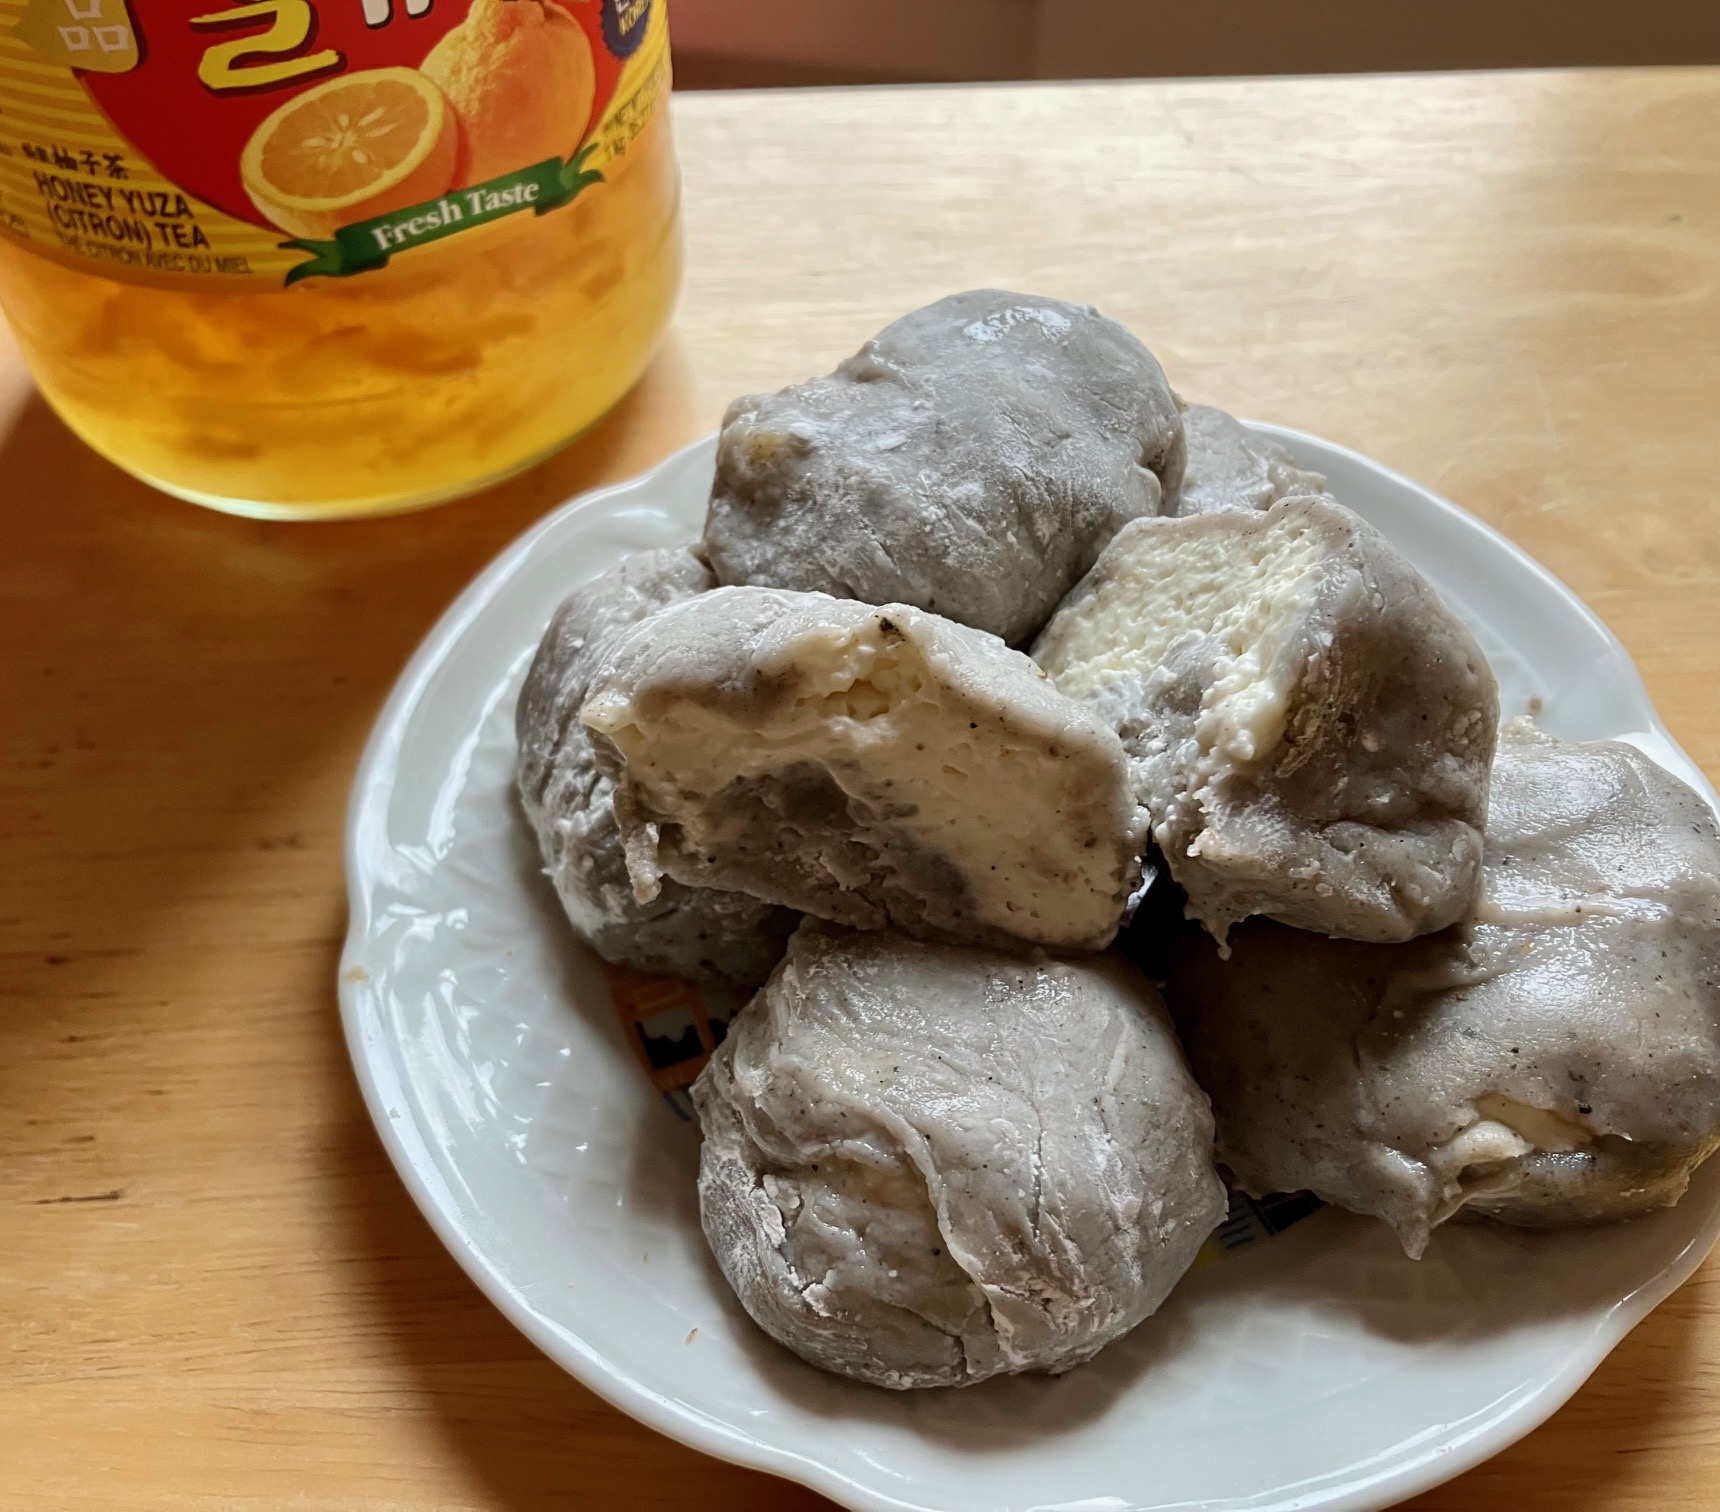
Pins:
x: 303, y: 258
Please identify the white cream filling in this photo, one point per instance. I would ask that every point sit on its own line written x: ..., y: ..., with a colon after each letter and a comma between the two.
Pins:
x: 1505, y: 1129
x: 876, y: 718
x: 1542, y: 1128
x: 1484, y: 1142
x: 1164, y: 586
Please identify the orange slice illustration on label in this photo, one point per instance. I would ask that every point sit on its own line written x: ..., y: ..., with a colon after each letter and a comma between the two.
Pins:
x: 358, y: 146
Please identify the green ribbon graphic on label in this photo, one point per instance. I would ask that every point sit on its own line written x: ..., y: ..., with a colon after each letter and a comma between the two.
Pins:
x: 370, y: 243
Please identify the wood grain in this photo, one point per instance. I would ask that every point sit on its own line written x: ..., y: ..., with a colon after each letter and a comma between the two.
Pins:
x: 213, y: 1291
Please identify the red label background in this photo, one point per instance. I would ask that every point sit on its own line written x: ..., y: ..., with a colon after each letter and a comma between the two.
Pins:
x: 193, y: 137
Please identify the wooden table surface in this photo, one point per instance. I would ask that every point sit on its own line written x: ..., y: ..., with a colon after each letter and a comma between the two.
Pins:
x: 213, y: 1291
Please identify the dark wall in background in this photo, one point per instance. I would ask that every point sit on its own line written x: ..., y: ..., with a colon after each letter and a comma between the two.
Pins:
x: 1107, y: 38
x: 741, y: 43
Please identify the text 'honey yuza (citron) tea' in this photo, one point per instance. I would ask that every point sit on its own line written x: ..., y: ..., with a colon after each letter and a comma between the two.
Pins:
x: 320, y: 257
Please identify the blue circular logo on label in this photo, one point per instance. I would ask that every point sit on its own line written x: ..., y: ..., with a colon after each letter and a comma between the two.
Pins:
x: 624, y: 25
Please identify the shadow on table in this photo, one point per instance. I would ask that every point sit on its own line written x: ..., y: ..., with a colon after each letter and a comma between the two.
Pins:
x: 184, y: 689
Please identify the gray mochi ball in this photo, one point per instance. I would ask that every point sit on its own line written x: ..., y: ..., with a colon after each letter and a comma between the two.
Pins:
x: 1552, y: 1060
x: 971, y: 459
x: 1230, y: 466
x: 925, y: 1165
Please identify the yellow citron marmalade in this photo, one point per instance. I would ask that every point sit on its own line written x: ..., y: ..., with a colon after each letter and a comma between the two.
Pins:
x: 320, y: 257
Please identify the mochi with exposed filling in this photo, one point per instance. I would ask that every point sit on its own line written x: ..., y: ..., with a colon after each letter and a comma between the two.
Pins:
x: 972, y: 459
x: 1308, y: 723
x: 1231, y: 467
x: 928, y: 1164
x: 723, y: 938
x: 873, y: 766
x: 1553, y: 1060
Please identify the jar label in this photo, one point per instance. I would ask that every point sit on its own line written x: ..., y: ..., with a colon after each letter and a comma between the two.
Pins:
x: 261, y: 143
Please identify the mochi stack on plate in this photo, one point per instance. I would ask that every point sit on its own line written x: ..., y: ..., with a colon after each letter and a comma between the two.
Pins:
x: 979, y: 623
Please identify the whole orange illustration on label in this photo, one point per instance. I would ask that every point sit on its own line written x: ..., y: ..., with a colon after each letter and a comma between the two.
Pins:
x: 521, y: 81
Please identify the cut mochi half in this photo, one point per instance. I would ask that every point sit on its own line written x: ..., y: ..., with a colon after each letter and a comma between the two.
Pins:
x: 1307, y: 722
x: 871, y: 766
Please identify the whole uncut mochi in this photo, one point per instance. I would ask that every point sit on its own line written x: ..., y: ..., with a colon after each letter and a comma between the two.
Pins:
x: 723, y: 938
x: 972, y: 459
x: 926, y: 1164
x: 1307, y: 721
x: 1552, y: 1060
x: 876, y: 766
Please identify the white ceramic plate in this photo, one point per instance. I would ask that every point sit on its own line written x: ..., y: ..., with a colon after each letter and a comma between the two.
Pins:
x: 1319, y: 1370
